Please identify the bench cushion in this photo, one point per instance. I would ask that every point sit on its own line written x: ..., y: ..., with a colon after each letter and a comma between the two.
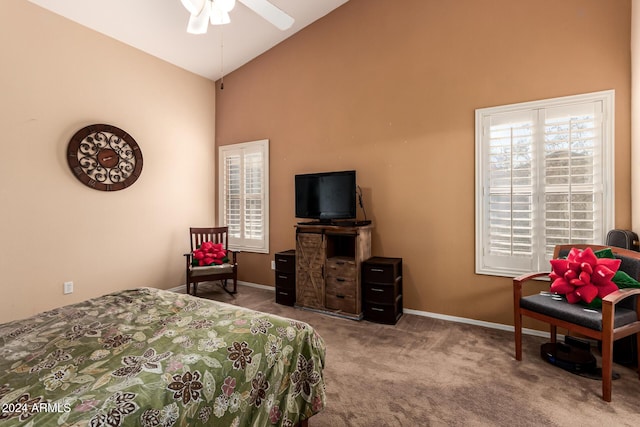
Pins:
x: 575, y: 313
x: 211, y: 269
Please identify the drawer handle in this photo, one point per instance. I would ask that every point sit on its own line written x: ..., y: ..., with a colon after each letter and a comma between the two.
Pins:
x: 340, y: 296
x: 339, y: 279
x: 377, y: 309
x: 282, y: 277
x: 282, y: 260
x: 283, y: 293
x: 377, y: 290
x: 377, y: 270
x: 340, y: 263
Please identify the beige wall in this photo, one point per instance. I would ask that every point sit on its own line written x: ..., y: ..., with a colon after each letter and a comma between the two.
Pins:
x: 635, y: 115
x: 389, y: 89
x: 57, y: 77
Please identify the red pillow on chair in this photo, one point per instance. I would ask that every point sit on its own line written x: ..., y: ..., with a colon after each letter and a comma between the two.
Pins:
x: 209, y: 253
x: 582, y: 276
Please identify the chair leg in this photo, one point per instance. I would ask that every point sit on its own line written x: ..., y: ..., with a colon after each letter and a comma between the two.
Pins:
x: 195, y: 289
x: 223, y: 284
x: 553, y: 332
x: 518, y: 333
x: 638, y: 352
x: 607, y: 349
x: 517, y: 317
x: 607, y: 367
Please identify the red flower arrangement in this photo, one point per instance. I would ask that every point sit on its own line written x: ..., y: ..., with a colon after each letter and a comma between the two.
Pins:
x: 583, y: 276
x: 209, y: 253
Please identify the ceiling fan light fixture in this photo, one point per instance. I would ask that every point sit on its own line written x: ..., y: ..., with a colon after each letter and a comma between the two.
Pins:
x: 219, y: 16
x: 217, y: 12
x: 225, y: 5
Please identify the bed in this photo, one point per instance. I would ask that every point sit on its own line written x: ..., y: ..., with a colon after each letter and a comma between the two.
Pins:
x: 151, y: 357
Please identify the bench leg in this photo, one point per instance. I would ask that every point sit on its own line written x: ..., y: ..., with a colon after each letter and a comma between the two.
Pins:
x: 607, y: 368
x: 518, y: 334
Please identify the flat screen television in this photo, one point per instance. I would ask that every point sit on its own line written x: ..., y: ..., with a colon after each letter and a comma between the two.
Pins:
x: 326, y: 196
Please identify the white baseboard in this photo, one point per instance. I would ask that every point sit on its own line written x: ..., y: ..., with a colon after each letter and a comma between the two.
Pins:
x: 475, y: 322
x: 499, y: 326
x: 255, y: 285
x: 181, y: 289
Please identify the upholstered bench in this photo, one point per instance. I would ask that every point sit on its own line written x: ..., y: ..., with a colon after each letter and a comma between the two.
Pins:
x: 619, y: 316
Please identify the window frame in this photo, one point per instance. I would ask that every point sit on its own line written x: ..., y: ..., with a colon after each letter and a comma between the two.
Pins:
x: 538, y: 260
x: 259, y: 146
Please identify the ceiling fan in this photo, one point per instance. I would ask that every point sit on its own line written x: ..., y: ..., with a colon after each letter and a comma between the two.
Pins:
x: 217, y: 12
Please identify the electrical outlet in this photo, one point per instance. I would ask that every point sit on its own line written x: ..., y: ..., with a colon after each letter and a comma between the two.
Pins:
x: 68, y: 288
x: 273, y: 265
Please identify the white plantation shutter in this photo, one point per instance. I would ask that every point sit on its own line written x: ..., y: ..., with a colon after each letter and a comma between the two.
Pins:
x: 510, y: 190
x: 573, y: 184
x: 232, y: 192
x: 243, y: 194
x: 544, y: 176
x: 254, y: 195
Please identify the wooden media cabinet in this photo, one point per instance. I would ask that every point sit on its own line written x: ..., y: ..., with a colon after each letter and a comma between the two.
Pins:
x: 328, y: 267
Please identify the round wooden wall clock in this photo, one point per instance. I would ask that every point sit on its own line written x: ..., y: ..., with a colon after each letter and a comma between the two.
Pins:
x: 104, y: 157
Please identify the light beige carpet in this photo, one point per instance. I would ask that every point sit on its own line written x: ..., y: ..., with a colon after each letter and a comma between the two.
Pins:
x: 429, y: 372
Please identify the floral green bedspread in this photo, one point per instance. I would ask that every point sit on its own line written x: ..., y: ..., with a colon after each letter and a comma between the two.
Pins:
x: 150, y: 357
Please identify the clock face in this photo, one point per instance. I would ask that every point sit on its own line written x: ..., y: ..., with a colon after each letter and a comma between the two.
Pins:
x: 104, y: 157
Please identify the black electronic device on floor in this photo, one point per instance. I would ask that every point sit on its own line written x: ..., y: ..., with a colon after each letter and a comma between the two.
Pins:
x: 573, y: 355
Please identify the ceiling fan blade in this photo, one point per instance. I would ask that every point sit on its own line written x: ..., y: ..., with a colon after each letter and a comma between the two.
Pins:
x: 193, y: 6
x: 198, y: 23
x: 270, y: 12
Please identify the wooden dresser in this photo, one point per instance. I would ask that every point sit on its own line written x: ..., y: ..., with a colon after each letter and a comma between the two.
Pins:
x: 382, y: 289
x: 286, y: 277
x: 328, y: 267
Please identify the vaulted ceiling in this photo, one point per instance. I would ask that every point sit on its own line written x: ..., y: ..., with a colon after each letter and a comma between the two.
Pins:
x: 158, y: 27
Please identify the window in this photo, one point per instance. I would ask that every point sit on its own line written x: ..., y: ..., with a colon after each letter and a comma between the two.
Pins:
x: 244, y: 194
x: 544, y: 176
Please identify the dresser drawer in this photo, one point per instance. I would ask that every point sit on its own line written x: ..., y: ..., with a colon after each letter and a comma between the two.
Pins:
x: 341, y: 302
x: 285, y: 296
x: 285, y: 263
x: 340, y: 287
x: 381, y: 293
x: 344, y: 267
x: 285, y: 280
x: 383, y: 313
x: 381, y: 270
x: 341, y: 294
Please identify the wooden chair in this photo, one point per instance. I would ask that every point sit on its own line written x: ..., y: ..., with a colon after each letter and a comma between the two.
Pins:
x: 618, y: 318
x: 222, y: 273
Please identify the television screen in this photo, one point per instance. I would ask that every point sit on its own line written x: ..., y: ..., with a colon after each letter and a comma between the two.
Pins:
x: 326, y: 196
